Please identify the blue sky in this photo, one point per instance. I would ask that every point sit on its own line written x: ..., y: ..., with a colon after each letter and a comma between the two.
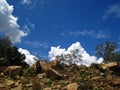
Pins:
x: 63, y: 22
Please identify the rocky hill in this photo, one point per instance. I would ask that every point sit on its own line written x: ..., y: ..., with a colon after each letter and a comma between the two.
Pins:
x: 56, y: 76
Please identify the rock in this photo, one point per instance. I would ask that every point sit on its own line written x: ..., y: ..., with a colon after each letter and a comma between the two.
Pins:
x: 41, y: 76
x: 9, y: 82
x: 37, y: 67
x: 97, y: 78
x: 4, y: 88
x: 55, y: 64
x: 66, y: 76
x: 2, y: 74
x: 96, y: 66
x: 3, y: 85
x: 108, y: 65
x: 13, y: 70
x: 29, y: 85
x: 51, y: 73
x: 72, y: 86
x: 47, y: 88
x: 44, y: 65
x: 56, y: 87
x: 115, y: 82
x: 17, y: 88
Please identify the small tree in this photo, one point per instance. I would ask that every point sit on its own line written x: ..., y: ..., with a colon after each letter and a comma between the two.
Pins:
x: 108, y: 51
x: 74, y: 57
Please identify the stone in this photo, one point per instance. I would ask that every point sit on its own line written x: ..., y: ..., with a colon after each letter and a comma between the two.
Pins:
x: 37, y: 67
x: 41, y: 76
x: 55, y: 64
x: 72, y: 86
x: 108, y: 65
x: 51, y: 73
x: 29, y: 85
x: 44, y: 65
x: 48, y: 88
x: 13, y: 70
x: 17, y: 88
x: 9, y: 82
x: 115, y: 82
x: 96, y: 78
x: 96, y: 66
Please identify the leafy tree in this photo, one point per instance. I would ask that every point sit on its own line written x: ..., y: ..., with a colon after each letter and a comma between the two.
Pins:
x: 74, y: 57
x: 108, y: 51
x: 4, y: 42
x: 10, y: 53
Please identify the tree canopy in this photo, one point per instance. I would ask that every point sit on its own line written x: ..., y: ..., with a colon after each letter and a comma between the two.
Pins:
x: 108, y: 51
x: 9, y: 53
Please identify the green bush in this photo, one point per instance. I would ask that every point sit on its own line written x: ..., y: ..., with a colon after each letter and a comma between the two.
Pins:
x: 29, y: 72
x: 48, y: 82
x: 85, y: 74
x: 79, y: 80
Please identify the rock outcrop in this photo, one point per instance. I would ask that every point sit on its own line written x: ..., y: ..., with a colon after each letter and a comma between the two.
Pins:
x: 37, y: 67
x: 13, y: 71
x: 55, y: 64
x: 51, y: 73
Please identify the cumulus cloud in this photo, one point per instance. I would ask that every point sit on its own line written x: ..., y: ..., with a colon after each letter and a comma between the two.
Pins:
x: 91, y: 33
x: 29, y: 58
x: 74, y: 52
x: 112, y: 10
x: 8, y: 23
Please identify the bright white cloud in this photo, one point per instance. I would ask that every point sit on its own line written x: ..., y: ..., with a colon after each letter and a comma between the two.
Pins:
x: 29, y: 58
x: 8, y: 23
x: 26, y: 2
x: 112, y: 10
x: 68, y: 54
x: 99, y: 34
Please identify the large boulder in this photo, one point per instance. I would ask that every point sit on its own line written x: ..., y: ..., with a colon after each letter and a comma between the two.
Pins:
x: 37, y: 67
x: 51, y: 73
x: 72, y: 86
x: 108, y: 65
x: 55, y: 64
x: 44, y: 65
x: 13, y: 70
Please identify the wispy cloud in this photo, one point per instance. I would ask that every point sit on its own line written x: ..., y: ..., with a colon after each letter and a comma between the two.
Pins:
x: 112, y: 10
x: 63, y: 34
x: 37, y: 44
x: 26, y: 2
x: 28, y: 27
x: 91, y: 33
x: 34, y: 3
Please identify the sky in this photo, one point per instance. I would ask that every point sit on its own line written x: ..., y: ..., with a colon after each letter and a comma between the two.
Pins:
x: 38, y: 25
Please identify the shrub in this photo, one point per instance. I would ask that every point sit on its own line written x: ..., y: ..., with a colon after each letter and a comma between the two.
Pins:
x: 85, y: 74
x: 48, y: 82
x: 29, y: 72
x: 79, y: 80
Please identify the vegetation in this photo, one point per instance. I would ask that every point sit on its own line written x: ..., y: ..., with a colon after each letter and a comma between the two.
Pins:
x: 9, y: 54
x: 73, y: 58
x: 108, y: 51
x: 35, y: 77
x: 29, y: 72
